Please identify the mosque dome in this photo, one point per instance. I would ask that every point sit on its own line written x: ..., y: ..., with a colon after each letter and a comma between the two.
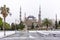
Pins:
x: 31, y: 16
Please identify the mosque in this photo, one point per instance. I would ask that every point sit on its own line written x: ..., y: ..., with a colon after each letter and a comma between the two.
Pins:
x: 28, y: 21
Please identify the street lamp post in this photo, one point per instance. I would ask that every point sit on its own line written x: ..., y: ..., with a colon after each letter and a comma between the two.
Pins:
x: 4, y: 12
x: 15, y: 26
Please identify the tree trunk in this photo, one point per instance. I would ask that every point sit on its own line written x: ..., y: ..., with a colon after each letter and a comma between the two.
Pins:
x: 4, y: 26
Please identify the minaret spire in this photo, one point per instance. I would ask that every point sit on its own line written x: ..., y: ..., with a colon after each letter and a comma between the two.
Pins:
x: 39, y: 13
x: 20, y: 14
x: 39, y: 16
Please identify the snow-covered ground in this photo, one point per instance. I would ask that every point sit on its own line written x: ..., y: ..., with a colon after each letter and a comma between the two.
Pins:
x: 49, y: 32
x: 43, y: 32
x: 7, y: 33
x: 46, y: 32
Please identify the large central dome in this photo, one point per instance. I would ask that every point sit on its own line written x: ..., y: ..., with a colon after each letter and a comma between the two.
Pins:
x: 31, y: 16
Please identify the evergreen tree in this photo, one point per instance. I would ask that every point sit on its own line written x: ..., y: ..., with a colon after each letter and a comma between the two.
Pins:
x: 21, y: 25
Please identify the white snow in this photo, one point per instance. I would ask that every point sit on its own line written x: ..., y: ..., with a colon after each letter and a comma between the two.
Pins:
x: 7, y: 33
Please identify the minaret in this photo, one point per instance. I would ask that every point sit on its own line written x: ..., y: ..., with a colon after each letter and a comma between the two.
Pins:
x: 56, y: 22
x: 25, y: 16
x: 20, y: 14
x: 39, y: 16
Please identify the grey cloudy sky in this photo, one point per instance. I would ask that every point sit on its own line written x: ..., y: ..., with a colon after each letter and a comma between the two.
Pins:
x: 48, y: 8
